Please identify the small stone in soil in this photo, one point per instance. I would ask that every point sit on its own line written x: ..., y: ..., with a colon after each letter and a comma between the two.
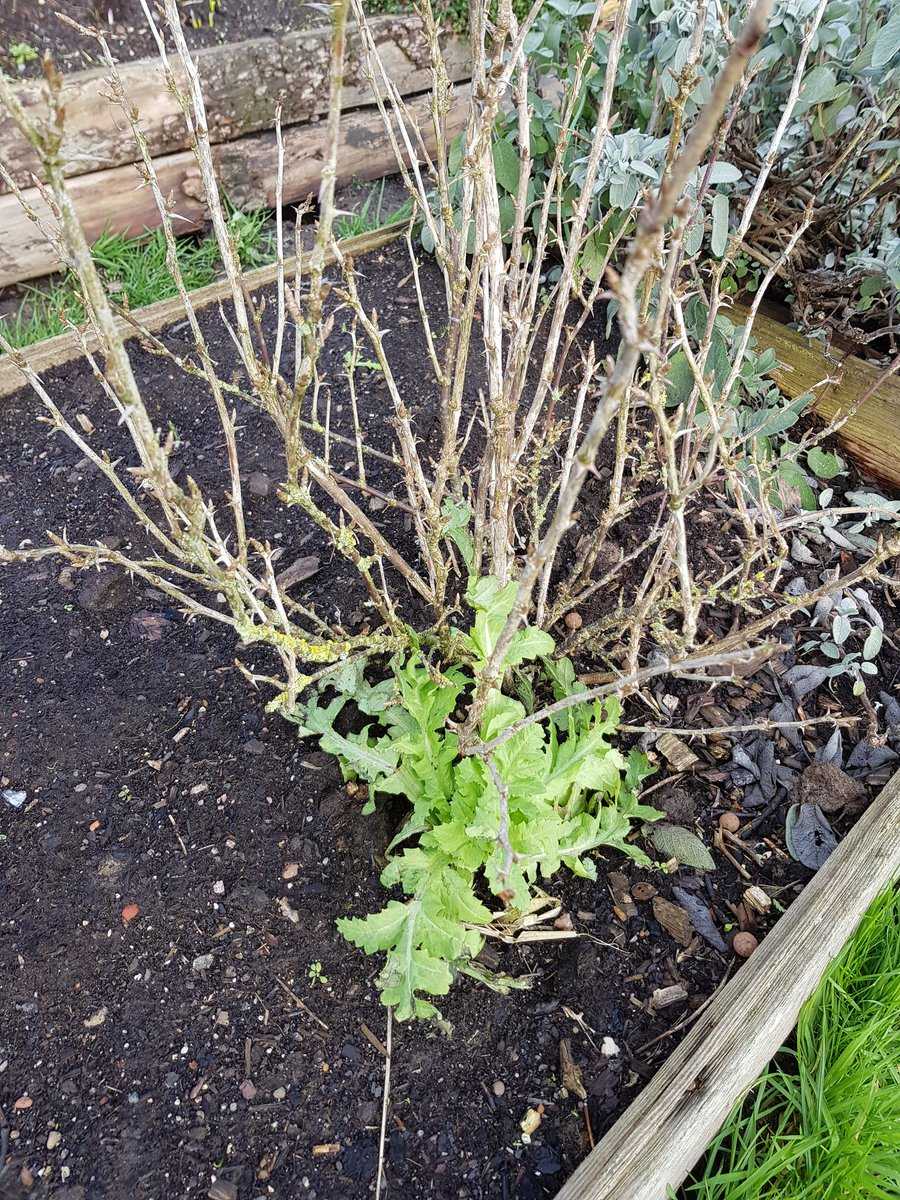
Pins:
x: 202, y: 962
x: 290, y: 870
x: 248, y: 1090
x: 54, y: 1137
x: 744, y: 944
x: 499, y: 1087
x: 730, y: 822
x: 222, y: 1189
x: 259, y: 484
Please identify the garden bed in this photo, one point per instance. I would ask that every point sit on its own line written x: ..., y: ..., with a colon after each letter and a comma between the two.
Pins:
x: 152, y: 778
x: 125, y: 27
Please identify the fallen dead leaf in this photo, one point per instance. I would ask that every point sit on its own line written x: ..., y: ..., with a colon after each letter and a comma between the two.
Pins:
x: 618, y: 886
x: 97, y: 1018
x: 828, y: 786
x: 674, y: 920
x: 643, y: 891
x: 570, y: 1071
x: 531, y: 1122
x: 302, y: 568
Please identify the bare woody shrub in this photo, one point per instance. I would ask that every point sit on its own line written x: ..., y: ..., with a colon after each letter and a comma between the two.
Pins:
x: 496, y: 495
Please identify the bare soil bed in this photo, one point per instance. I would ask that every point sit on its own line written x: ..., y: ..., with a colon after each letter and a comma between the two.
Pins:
x: 209, y: 1045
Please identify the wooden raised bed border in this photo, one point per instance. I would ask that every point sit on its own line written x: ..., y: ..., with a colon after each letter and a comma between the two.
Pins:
x: 659, y: 1138
x: 243, y: 82
x: 56, y: 351
x: 871, y: 434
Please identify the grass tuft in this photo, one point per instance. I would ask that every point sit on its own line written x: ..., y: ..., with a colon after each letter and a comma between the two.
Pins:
x: 824, y: 1123
x: 369, y: 216
x: 135, y: 270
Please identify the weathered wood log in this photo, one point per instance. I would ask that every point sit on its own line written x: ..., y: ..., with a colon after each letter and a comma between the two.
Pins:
x: 119, y: 201
x: 661, y: 1135
x: 56, y: 351
x: 242, y: 82
x: 871, y: 435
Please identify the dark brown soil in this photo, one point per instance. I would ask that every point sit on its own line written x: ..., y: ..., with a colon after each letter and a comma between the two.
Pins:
x: 37, y: 23
x: 153, y: 777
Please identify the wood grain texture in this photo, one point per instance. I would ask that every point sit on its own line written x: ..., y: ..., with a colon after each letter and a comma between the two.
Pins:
x: 872, y: 434
x: 56, y: 351
x: 660, y: 1137
x: 242, y: 82
x: 120, y: 202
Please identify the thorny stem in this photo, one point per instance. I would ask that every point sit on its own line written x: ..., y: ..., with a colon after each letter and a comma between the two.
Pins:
x: 692, y: 664
x: 650, y: 225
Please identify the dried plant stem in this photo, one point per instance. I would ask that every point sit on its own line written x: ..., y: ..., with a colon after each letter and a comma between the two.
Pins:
x: 650, y: 225
x: 385, y: 1102
x: 751, y: 727
x: 691, y: 666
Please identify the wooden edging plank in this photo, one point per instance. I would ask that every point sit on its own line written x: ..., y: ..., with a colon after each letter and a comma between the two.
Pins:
x: 56, y: 351
x: 660, y: 1137
x: 872, y: 434
x: 242, y: 83
x: 118, y: 200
